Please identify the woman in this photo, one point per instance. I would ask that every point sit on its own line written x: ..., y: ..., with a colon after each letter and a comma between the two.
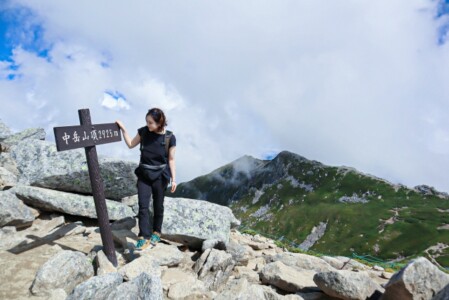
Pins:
x: 153, y: 159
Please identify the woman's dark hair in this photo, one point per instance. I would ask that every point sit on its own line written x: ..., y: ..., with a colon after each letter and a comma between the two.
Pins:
x: 158, y: 117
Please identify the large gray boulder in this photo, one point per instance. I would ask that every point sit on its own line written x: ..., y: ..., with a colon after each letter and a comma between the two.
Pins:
x: 65, y: 270
x: 303, y: 261
x: 214, y: 268
x: 143, y: 287
x: 5, y: 131
x: 286, y: 278
x: 13, y: 212
x: 191, y: 222
x: 419, y: 279
x: 26, y: 135
x: 98, y: 287
x: 346, y: 284
x: 40, y: 164
x: 68, y: 203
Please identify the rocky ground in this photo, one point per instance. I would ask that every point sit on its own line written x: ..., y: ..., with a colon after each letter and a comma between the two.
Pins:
x: 60, y: 258
x: 51, y: 247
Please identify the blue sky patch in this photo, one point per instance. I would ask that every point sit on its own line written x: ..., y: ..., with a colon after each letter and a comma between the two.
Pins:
x: 115, y: 94
x: 269, y: 155
x: 442, y: 11
x: 19, y: 27
x: 5, y: 47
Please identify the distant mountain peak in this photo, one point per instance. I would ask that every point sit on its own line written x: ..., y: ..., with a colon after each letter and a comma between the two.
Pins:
x: 327, y: 208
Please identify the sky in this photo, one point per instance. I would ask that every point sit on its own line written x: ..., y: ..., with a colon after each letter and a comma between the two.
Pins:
x: 354, y: 83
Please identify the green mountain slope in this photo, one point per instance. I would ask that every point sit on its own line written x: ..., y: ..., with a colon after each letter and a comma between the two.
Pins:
x: 332, y: 210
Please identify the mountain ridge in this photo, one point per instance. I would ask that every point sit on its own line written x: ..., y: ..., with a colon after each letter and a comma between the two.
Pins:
x: 290, y: 196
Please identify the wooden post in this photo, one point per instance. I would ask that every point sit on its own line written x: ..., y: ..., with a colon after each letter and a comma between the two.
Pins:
x: 98, y: 192
x: 87, y: 136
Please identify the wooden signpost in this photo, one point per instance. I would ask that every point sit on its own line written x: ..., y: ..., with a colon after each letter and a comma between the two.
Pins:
x: 87, y: 136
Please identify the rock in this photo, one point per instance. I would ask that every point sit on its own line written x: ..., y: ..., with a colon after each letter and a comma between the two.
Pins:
x: 213, y: 243
x: 130, y: 201
x: 40, y: 164
x: 9, y: 164
x: 57, y: 294
x: 347, y: 284
x: 64, y: 270
x: 303, y: 261
x: 165, y: 255
x: 78, y: 228
x: 238, y: 252
x: 125, y: 291
x: 334, y: 262
x: 291, y: 297
x: 213, y: 268
x: 188, y: 289
x: 98, y: 287
x: 257, y: 264
x: 13, y: 212
x: 427, y: 190
x: 189, y: 260
x: 247, y: 273
x: 7, y: 179
x: 287, y: 278
x: 104, y: 265
x: 376, y: 276
x: 145, y: 286
x: 351, y: 264
x: 7, y: 230
x: 24, y: 136
x: 378, y: 268
x: 258, y: 246
x: 238, y: 289
x: 241, y: 289
x: 175, y: 275
x: 386, y: 275
x: 8, y: 237
x: 136, y: 267
x: 5, y: 132
x: 269, y: 252
x: 419, y: 279
x: 190, y: 222
x: 68, y: 203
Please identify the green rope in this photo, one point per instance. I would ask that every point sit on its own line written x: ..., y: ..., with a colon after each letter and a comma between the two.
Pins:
x: 366, y: 258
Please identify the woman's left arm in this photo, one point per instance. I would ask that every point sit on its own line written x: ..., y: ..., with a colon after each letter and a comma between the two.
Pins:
x: 171, y: 163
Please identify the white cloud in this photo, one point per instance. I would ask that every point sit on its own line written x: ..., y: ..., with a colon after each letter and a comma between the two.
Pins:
x: 114, y: 103
x: 345, y: 82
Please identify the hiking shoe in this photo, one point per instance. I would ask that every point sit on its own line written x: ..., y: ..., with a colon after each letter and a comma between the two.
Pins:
x: 154, y: 239
x: 142, y: 244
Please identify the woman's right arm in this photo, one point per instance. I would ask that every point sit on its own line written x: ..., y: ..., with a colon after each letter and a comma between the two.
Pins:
x: 131, y: 143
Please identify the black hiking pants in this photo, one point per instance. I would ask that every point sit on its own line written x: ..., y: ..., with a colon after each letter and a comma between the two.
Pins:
x: 145, y: 190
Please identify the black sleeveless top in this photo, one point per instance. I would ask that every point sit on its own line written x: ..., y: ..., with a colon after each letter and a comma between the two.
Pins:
x: 153, y: 150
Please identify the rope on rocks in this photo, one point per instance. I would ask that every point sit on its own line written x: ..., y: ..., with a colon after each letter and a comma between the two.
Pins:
x: 364, y: 258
